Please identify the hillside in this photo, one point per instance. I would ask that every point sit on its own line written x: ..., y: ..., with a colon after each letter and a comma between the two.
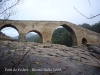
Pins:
x: 5, y: 37
x: 27, y: 36
x: 31, y: 38
x: 48, y: 59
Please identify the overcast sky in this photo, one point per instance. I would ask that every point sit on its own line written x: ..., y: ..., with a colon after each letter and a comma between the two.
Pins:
x: 58, y: 10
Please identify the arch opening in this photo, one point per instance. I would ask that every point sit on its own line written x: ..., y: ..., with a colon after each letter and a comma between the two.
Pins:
x: 34, y: 36
x: 84, y: 41
x: 64, y: 35
x: 9, y: 31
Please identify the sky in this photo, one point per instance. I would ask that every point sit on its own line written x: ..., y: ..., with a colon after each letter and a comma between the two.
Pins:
x: 57, y: 10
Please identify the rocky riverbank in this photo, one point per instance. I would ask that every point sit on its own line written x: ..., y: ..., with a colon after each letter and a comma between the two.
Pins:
x: 18, y: 58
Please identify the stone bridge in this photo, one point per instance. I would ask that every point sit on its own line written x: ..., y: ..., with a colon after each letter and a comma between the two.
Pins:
x: 45, y: 30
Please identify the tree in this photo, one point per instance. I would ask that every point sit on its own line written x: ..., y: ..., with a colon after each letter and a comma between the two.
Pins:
x: 85, y: 25
x: 7, y: 8
x: 34, y: 38
x: 95, y: 27
x: 62, y: 36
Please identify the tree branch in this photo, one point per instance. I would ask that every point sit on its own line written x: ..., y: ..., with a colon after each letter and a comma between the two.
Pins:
x: 6, y: 8
x: 20, y: 61
x: 85, y: 16
x: 10, y: 6
x: 89, y: 2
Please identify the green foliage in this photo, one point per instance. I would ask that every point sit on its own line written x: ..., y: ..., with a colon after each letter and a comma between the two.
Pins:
x: 34, y: 38
x: 85, y: 25
x: 31, y: 72
x: 62, y: 36
x: 37, y: 39
x: 95, y: 27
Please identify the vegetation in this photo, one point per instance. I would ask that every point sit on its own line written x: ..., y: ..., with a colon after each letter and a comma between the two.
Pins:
x: 30, y: 71
x: 34, y: 38
x: 95, y: 27
x: 62, y: 36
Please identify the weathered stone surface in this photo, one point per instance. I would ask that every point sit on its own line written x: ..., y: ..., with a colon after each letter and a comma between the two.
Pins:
x: 80, y: 60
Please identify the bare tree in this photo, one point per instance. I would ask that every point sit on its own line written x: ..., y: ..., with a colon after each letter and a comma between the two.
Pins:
x: 7, y: 8
x: 92, y: 16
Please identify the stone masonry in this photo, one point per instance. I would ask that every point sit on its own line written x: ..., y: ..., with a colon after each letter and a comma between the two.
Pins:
x: 45, y: 30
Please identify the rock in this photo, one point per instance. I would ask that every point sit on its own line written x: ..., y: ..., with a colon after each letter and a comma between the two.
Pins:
x: 77, y: 60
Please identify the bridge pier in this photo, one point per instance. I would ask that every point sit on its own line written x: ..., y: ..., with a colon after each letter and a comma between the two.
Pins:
x: 47, y: 39
x: 22, y: 37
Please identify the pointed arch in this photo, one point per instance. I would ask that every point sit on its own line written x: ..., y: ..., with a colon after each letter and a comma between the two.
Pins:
x: 73, y: 34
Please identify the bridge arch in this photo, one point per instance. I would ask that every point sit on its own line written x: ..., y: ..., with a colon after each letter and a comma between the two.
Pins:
x: 41, y: 38
x: 12, y: 26
x: 72, y: 32
x: 8, y: 25
x: 84, y: 41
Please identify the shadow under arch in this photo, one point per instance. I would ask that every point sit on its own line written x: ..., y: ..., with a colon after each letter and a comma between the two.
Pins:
x: 72, y: 33
x: 84, y: 41
x: 10, y: 25
x: 38, y: 34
